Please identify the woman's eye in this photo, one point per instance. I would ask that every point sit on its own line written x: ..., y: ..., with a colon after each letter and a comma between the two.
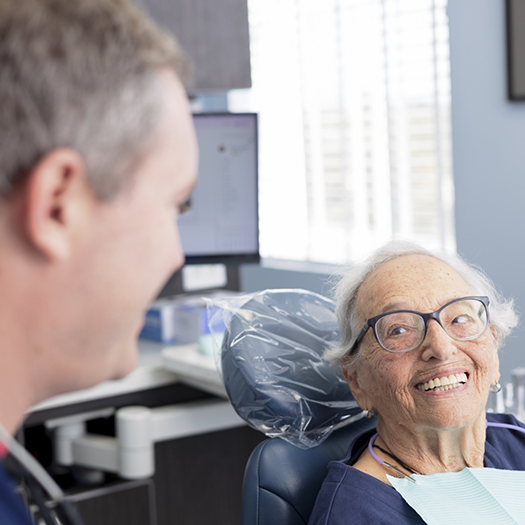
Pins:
x: 396, y: 331
x: 461, y: 319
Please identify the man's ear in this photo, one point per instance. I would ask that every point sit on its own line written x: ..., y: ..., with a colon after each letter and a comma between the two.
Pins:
x: 350, y: 374
x: 54, y: 196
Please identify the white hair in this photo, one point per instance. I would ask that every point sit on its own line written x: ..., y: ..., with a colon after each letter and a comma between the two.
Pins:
x: 503, y: 317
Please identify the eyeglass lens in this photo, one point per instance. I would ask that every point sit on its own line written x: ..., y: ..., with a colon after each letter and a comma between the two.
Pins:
x: 403, y: 331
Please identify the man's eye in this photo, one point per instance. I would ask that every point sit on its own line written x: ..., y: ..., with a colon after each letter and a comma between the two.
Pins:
x: 184, y: 207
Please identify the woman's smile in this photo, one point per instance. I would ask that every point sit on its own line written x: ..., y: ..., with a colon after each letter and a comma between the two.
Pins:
x: 443, y: 383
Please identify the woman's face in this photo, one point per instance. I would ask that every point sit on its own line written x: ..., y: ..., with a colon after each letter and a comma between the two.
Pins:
x: 389, y: 382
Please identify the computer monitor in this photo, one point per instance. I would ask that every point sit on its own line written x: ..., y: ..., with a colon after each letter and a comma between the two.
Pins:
x: 222, y: 225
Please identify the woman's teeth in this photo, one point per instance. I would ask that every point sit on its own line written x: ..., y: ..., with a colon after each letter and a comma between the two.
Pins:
x: 444, y: 383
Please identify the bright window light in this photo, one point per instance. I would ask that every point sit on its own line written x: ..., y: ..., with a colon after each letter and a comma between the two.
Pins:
x: 355, y: 138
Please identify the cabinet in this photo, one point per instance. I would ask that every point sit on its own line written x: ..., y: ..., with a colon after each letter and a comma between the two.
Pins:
x: 198, y: 479
x: 215, y: 35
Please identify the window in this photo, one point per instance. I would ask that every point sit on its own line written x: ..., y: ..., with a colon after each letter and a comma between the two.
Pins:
x: 355, y: 139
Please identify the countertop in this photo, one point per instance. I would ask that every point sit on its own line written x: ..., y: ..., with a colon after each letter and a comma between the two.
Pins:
x: 158, y: 365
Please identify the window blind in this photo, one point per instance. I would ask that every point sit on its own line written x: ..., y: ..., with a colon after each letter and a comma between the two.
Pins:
x: 355, y: 138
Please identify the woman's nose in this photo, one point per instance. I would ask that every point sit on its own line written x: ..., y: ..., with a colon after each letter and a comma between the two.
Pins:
x: 437, y: 343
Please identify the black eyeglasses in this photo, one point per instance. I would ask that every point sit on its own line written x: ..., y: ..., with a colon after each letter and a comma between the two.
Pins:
x: 462, y: 319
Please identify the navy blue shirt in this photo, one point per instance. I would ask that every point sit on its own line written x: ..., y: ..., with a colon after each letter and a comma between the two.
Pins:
x: 351, y: 496
x: 12, y: 509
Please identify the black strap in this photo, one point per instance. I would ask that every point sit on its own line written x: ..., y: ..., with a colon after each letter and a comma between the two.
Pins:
x: 63, y: 512
x: 395, y: 458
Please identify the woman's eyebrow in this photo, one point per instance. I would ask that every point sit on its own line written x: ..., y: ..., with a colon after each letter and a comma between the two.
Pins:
x: 391, y: 307
x: 400, y: 305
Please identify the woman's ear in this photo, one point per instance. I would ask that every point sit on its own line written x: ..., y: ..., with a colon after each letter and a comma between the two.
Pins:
x: 497, y: 373
x: 352, y: 378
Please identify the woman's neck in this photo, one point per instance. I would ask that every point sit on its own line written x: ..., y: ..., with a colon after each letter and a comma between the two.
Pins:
x: 430, y: 450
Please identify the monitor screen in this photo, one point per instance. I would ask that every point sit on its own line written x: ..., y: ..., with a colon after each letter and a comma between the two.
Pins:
x: 222, y: 222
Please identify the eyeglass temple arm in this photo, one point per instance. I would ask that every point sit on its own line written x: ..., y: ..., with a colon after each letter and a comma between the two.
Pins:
x: 353, y: 350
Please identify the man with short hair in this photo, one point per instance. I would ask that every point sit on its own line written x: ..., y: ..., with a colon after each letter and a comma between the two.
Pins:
x: 97, y: 159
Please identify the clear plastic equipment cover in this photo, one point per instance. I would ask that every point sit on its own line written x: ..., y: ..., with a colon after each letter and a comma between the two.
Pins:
x: 270, y: 357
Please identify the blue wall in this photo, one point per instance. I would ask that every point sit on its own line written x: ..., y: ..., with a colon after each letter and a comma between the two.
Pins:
x: 489, y: 156
x: 254, y: 278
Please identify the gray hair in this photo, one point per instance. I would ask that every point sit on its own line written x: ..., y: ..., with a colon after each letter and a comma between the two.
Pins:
x: 503, y: 317
x: 81, y: 74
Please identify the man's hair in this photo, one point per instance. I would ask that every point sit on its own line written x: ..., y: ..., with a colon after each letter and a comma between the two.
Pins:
x: 81, y: 74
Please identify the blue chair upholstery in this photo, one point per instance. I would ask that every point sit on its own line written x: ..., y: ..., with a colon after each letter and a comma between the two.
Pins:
x: 281, y: 481
x: 278, y: 382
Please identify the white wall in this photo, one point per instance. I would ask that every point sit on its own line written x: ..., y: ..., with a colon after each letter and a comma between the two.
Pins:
x: 489, y: 156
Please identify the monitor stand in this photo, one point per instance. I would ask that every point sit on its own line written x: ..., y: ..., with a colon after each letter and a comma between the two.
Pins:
x: 175, y: 285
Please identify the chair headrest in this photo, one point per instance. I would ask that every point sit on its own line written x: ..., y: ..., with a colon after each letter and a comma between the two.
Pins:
x: 273, y: 368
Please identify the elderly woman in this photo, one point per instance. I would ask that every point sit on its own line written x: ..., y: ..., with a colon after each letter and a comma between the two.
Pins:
x: 420, y: 338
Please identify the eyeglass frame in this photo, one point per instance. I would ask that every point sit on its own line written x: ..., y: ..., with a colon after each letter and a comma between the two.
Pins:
x: 371, y: 323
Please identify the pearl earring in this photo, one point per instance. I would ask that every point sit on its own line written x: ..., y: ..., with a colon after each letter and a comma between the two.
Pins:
x: 369, y: 414
x: 495, y: 388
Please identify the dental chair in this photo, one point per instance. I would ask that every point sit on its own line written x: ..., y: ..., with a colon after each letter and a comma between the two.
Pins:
x: 277, y: 381
x: 281, y: 481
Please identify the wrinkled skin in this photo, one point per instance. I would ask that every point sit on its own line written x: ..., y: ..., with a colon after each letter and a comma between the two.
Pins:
x: 431, y: 431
